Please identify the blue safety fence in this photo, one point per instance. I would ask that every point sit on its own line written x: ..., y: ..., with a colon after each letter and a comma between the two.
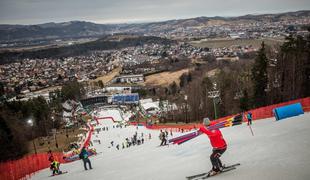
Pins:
x: 125, y: 98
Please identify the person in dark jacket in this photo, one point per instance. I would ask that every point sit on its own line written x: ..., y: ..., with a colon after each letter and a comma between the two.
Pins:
x: 50, y: 156
x: 162, y: 137
x: 84, y: 156
x: 249, y: 117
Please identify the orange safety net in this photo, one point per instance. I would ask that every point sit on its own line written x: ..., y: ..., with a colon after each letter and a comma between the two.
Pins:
x: 259, y: 113
x: 24, y: 167
x: 267, y: 111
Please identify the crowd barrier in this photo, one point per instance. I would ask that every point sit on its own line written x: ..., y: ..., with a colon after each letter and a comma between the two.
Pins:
x: 24, y: 167
x: 258, y: 113
x: 267, y: 111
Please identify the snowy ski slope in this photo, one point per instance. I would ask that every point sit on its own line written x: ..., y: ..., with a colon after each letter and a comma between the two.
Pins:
x: 278, y: 151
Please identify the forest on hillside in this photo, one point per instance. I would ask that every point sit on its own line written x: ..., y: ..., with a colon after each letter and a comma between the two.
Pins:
x: 275, y: 75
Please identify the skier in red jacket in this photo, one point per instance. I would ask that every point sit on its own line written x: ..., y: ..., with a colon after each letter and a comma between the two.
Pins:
x: 218, y: 143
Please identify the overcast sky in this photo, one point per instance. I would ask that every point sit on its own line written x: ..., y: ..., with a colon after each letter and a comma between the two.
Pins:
x: 122, y: 11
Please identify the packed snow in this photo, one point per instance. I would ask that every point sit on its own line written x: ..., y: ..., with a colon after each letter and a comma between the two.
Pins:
x: 279, y: 150
x: 115, y: 113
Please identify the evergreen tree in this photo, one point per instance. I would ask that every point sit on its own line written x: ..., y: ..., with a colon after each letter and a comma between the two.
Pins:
x: 100, y: 84
x: 72, y: 90
x: 12, y: 136
x: 189, y: 77
x: 1, y: 89
x: 183, y: 80
x: 293, y: 68
x: 244, y: 101
x: 173, y: 88
x: 206, y: 86
x: 259, y: 77
x: 306, y: 78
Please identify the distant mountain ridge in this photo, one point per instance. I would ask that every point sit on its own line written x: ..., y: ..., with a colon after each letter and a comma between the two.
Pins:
x: 78, y: 29
x: 53, y: 30
x: 105, y: 43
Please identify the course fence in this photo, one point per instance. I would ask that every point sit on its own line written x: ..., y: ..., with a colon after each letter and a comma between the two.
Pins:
x: 267, y: 111
x: 25, y: 167
x: 258, y: 113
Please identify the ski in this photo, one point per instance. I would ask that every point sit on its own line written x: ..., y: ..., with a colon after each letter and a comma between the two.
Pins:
x: 195, y: 176
x: 233, y: 165
x: 63, y: 172
x: 225, y: 168
x: 162, y: 145
x: 223, y: 171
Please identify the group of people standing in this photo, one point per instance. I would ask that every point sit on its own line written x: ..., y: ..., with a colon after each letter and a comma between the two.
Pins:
x: 134, y: 140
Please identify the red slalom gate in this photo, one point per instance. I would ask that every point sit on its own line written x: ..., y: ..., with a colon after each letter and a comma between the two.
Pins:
x: 101, y: 118
x: 88, y: 138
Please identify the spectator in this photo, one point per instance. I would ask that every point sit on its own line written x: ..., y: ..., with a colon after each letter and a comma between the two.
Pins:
x: 55, y: 167
x: 50, y: 156
x: 249, y: 117
x: 84, y: 156
x: 162, y: 137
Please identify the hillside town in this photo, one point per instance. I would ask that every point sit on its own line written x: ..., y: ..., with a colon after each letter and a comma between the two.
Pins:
x: 29, y: 75
x: 243, y: 29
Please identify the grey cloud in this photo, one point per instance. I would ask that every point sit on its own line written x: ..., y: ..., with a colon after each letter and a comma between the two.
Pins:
x: 41, y: 11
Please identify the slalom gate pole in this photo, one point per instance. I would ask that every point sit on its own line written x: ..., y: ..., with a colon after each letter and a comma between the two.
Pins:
x: 251, y: 130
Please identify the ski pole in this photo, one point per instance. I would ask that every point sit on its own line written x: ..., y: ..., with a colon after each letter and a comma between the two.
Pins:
x: 251, y: 130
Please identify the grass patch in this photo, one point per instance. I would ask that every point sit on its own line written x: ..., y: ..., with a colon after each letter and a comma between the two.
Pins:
x: 164, y: 78
x: 43, y: 146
